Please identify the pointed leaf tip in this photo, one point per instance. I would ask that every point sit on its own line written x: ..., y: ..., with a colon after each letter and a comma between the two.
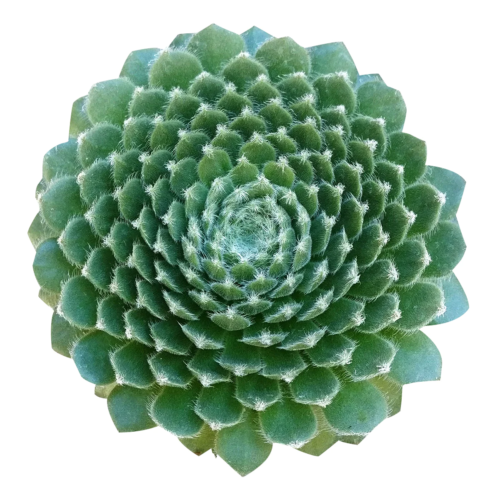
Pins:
x: 254, y: 38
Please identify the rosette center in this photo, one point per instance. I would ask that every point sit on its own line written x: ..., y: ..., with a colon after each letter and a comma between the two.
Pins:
x: 250, y: 233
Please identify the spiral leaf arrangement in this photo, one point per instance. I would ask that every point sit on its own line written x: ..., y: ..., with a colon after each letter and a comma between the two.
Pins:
x: 241, y: 245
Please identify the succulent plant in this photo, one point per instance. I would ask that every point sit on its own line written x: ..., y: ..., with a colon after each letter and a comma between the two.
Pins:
x: 241, y: 245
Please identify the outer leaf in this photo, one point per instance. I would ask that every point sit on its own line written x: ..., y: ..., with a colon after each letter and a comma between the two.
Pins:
x: 103, y: 391
x: 136, y: 67
x: 288, y: 422
x: 446, y: 247
x: 254, y: 38
x: 331, y: 58
x: 455, y: 301
x: 419, y: 305
x: 320, y: 443
x: 417, y: 359
x: 39, y: 231
x: 91, y: 357
x: 362, y: 79
x: 378, y: 100
x: 357, y: 409
x: 452, y: 185
x: 201, y: 443
x: 392, y: 392
x: 242, y: 446
x: 173, y: 410
x: 63, y: 335
x: 181, y: 41
x: 215, y: 46
x: 128, y: 408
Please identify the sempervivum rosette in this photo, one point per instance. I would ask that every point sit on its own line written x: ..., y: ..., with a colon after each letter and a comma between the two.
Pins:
x: 241, y: 245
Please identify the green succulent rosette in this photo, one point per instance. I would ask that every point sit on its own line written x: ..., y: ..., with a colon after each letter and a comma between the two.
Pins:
x: 241, y: 245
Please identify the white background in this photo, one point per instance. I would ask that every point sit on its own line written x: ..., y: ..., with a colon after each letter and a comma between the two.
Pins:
x: 58, y: 441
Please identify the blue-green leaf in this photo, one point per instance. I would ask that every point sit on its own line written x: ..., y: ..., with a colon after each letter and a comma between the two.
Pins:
x: 455, y: 301
x: 452, y: 185
x: 332, y: 58
x: 417, y: 359
x: 242, y: 446
x: 128, y: 407
x: 254, y: 38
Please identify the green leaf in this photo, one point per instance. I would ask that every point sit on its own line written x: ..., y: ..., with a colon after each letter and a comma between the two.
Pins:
x: 419, y: 305
x: 230, y: 320
x: 300, y: 335
x: 60, y: 202
x: 218, y: 407
x: 181, y: 41
x: 204, y: 335
x: 332, y: 58
x: 215, y: 46
x: 103, y: 391
x: 168, y: 336
x: 315, y: 386
x: 77, y: 240
x: 357, y: 409
x: 137, y: 64
x: 410, y: 152
x: 417, y: 359
x: 239, y: 358
x: 173, y: 410
x: 242, y: 446
x: 39, y: 231
x: 446, y: 247
x: 342, y: 315
x: 425, y: 201
x: 377, y: 100
x: 455, y: 301
x: 281, y: 364
x: 98, y: 143
x: 380, y: 313
x: 282, y: 56
x: 50, y: 266
x: 257, y: 392
x: 49, y: 298
x: 254, y: 38
x: 174, y: 68
x: 373, y: 355
x: 201, y: 443
x: 333, y: 90
x: 108, y: 101
x: 263, y: 335
x: 79, y: 302
x: 128, y: 407
x: 392, y: 392
x: 79, y: 121
x: 332, y: 350
x: 170, y: 369
x: 61, y: 160
x: 63, y: 335
x: 131, y: 365
x: 452, y: 185
x: 91, y: 357
x: 204, y: 366
x: 362, y: 79
x: 288, y: 422
x: 322, y: 442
